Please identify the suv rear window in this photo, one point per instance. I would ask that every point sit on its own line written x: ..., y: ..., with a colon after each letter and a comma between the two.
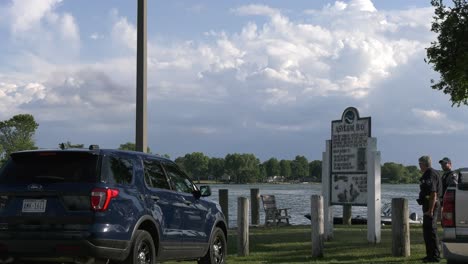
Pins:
x: 117, y: 169
x: 45, y: 167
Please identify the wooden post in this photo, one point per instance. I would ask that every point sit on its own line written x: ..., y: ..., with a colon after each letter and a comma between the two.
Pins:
x: 374, y: 210
x: 347, y: 214
x: 255, y: 206
x: 317, y: 222
x: 224, y: 203
x: 242, y: 226
x: 326, y: 178
x: 400, y: 228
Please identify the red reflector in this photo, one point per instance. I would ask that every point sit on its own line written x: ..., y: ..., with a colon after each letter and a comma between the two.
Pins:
x: 448, y: 210
x: 100, y: 198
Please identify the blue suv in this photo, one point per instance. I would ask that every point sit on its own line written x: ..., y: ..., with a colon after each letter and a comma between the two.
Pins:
x: 99, y: 206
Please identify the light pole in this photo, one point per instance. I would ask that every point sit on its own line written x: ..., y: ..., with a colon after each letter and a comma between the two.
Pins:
x: 141, y: 119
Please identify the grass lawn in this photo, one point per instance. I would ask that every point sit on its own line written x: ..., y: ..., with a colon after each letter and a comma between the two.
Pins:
x: 292, y: 244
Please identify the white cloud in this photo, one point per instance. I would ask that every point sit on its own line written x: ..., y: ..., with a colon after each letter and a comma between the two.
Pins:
x: 271, y: 76
x: 428, y: 114
x: 362, y: 5
x: 69, y: 29
x: 27, y: 14
x: 256, y: 10
x: 432, y: 122
x: 123, y: 31
x: 39, y: 27
x: 96, y: 36
x: 13, y: 96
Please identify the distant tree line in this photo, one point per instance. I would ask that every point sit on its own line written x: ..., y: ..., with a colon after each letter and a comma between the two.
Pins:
x: 17, y: 134
x: 397, y: 173
x: 247, y: 168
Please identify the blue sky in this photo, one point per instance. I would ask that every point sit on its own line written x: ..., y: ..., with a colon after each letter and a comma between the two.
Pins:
x: 261, y: 77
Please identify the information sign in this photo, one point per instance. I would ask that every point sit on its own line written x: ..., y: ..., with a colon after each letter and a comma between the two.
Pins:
x: 348, y: 158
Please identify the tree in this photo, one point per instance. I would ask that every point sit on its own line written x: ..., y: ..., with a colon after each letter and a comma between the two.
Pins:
x: 216, y: 167
x: 413, y: 174
x: 449, y: 54
x: 132, y: 147
x: 196, y: 165
x: 299, y: 167
x: 243, y: 167
x: 272, y: 167
x: 315, y: 169
x: 262, y: 173
x: 285, y: 168
x: 17, y: 134
x: 68, y: 144
x: 394, y: 173
x: 180, y: 161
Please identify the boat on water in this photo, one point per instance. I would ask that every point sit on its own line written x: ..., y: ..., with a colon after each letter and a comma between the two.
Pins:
x: 385, y: 217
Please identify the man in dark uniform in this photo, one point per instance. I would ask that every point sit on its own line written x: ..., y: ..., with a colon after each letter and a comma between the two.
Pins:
x: 430, y: 188
x: 449, y: 177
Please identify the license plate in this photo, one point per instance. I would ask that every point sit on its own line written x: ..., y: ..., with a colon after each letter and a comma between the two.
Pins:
x: 34, y: 206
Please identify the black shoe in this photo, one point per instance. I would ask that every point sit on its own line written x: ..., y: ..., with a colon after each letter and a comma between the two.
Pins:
x: 431, y: 260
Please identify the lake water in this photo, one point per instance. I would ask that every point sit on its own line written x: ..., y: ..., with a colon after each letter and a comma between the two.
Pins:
x: 297, y: 198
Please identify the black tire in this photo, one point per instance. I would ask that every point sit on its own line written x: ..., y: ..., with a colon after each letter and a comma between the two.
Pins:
x: 217, y: 252
x: 143, y: 250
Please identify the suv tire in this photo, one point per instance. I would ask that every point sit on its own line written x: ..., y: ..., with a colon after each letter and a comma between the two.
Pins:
x: 217, y: 251
x: 143, y: 250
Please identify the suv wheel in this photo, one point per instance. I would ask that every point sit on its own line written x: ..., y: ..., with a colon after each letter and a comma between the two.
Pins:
x: 218, y: 251
x: 143, y: 251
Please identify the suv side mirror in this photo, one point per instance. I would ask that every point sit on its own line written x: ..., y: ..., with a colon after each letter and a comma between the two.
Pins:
x: 205, y: 190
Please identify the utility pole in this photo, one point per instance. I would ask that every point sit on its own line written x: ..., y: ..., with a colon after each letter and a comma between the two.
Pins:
x: 141, y: 119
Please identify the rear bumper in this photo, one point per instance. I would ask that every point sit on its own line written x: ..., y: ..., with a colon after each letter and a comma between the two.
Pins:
x: 455, y: 250
x: 106, y: 249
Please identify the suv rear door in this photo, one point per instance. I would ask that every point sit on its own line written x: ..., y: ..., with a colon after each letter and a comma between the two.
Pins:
x: 46, y: 191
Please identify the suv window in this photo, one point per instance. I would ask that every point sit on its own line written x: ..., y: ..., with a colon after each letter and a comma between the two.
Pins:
x: 154, y: 175
x: 180, y: 182
x: 117, y: 169
x: 44, y: 167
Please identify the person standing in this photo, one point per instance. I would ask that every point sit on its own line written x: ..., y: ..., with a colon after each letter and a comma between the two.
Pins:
x: 448, y: 178
x: 430, y: 188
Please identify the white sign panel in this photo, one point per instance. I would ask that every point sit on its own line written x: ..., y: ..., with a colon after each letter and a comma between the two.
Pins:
x: 348, y: 158
x: 349, y: 189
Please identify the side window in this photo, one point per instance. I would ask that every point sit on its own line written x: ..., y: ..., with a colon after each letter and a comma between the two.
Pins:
x: 117, y: 169
x: 154, y: 175
x: 180, y: 182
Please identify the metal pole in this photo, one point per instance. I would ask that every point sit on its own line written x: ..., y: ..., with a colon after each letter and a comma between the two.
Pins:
x: 141, y: 123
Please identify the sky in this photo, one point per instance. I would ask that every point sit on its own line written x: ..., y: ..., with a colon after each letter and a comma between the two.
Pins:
x: 260, y: 77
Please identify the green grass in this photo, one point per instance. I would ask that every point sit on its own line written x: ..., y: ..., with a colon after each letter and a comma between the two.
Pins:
x: 292, y: 244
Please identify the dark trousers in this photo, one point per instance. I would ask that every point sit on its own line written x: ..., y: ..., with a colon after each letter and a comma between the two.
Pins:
x: 430, y: 234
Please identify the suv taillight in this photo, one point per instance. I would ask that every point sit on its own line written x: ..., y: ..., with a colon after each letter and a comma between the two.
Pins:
x: 448, y: 210
x: 100, y: 198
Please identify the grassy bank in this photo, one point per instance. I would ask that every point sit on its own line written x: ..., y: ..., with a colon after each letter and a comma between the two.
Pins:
x: 292, y: 245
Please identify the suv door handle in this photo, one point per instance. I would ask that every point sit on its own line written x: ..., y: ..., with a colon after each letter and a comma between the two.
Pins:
x: 187, y: 202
